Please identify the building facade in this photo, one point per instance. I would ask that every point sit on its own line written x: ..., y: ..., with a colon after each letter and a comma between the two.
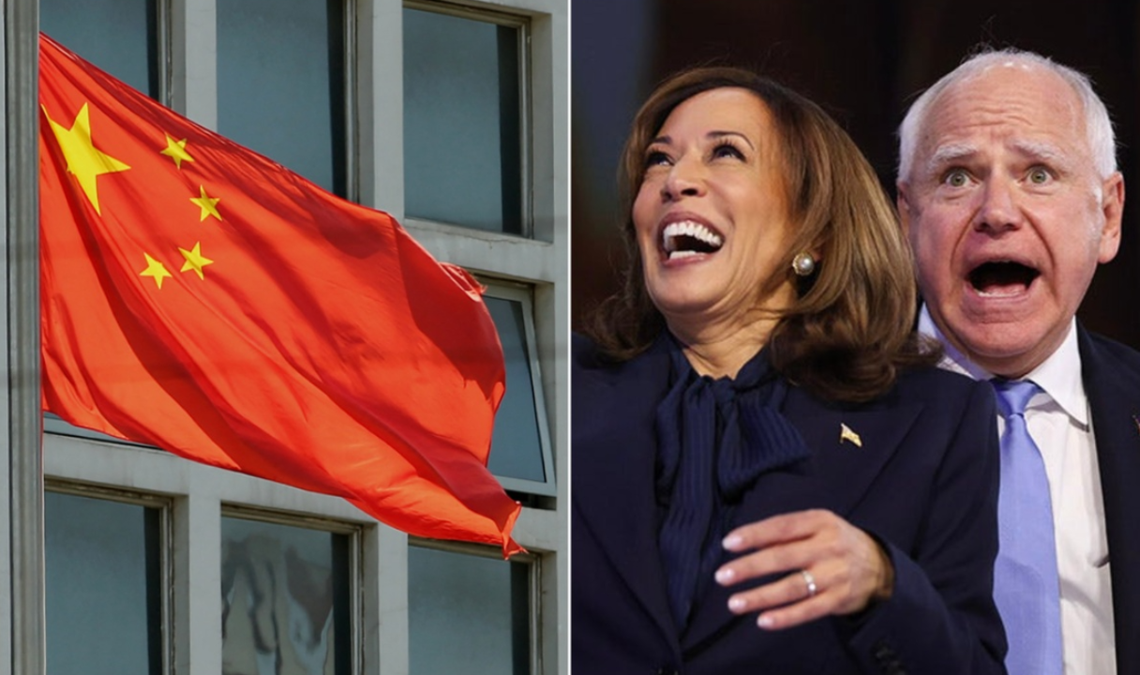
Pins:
x: 451, y: 116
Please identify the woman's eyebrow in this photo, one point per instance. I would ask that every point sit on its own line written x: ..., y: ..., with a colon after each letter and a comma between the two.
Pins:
x: 737, y: 134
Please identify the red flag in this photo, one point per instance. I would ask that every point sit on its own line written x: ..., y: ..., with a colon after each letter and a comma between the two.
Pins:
x: 201, y: 298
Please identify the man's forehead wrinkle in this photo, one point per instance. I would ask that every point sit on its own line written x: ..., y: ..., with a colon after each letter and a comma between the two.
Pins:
x: 974, y: 109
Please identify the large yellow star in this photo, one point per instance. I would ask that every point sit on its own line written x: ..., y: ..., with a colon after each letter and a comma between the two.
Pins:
x: 155, y: 270
x: 83, y: 160
x: 176, y: 150
x: 195, y: 260
x: 207, y: 203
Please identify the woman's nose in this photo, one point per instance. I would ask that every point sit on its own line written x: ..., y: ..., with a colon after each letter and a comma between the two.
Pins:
x: 686, y: 179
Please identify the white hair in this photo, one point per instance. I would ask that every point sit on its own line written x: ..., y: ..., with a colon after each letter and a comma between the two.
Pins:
x: 1102, y: 141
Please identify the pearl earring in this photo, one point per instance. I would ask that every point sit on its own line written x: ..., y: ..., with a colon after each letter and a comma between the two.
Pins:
x: 803, y: 264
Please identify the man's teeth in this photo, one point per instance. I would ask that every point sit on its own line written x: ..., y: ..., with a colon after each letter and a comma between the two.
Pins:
x: 1002, y: 291
x: 674, y: 231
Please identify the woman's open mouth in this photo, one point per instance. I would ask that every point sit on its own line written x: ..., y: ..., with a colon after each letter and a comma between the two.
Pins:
x: 688, y: 238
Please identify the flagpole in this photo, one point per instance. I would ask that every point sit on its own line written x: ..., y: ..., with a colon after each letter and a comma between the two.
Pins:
x: 24, y: 423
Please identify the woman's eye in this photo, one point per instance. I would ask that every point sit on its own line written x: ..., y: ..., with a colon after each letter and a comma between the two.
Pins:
x: 655, y: 158
x: 956, y: 178
x: 1039, y: 175
x: 727, y: 150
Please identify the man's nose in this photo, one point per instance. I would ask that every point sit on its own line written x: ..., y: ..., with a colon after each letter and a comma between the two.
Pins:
x: 686, y: 179
x: 999, y: 210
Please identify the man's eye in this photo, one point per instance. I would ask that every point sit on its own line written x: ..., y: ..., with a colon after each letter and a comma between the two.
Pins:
x: 956, y: 178
x: 1039, y: 175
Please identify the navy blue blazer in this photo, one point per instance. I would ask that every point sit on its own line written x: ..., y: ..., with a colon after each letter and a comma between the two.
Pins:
x: 1111, y: 373
x: 924, y: 480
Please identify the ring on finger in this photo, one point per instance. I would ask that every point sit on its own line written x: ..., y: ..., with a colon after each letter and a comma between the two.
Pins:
x: 809, y: 581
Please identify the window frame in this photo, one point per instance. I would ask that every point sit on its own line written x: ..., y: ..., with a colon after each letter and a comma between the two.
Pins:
x: 165, y: 560
x: 522, y: 293
x: 354, y: 533
x: 535, y: 566
x: 522, y: 24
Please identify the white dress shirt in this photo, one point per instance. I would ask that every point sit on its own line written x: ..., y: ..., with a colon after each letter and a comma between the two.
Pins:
x: 1061, y: 425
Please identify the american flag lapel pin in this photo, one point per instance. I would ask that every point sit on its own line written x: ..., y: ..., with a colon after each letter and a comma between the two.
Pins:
x: 846, y: 434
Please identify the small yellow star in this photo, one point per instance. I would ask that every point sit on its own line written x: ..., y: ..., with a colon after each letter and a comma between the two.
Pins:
x: 195, y: 260
x: 83, y: 160
x: 207, y: 203
x: 176, y: 150
x: 155, y: 270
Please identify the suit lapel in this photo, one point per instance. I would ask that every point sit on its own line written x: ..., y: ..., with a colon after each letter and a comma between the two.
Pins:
x: 840, y: 471
x: 613, y: 491
x: 1114, y: 400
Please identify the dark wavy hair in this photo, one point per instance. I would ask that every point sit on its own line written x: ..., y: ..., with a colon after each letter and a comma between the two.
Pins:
x: 851, y: 327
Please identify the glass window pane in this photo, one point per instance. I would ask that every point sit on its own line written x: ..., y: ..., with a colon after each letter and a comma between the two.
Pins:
x: 281, y: 83
x: 285, y: 600
x: 516, y: 448
x: 116, y: 35
x: 461, y: 122
x: 467, y: 614
x: 102, y: 561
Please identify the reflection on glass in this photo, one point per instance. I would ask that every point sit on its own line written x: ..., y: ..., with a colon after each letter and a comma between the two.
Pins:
x: 281, y: 83
x: 461, y: 122
x: 467, y: 614
x: 516, y: 450
x: 285, y: 600
x: 103, y: 586
x: 116, y: 35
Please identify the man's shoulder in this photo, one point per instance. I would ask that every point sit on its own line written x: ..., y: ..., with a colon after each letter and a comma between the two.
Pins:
x: 1105, y: 354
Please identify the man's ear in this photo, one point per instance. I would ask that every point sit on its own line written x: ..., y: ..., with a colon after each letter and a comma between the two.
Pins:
x: 1112, y: 206
x: 902, y: 202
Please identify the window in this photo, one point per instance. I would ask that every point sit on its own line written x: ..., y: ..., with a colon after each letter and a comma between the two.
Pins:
x: 285, y: 599
x: 119, y: 36
x: 103, y: 559
x: 281, y: 83
x: 464, y: 119
x: 469, y: 613
x: 520, y: 449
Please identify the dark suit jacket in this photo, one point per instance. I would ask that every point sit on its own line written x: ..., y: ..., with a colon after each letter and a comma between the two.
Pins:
x: 1111, y: 374
x: 925, y: 480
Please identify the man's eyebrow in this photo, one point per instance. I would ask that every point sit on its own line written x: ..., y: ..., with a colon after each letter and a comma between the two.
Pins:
x: 1047, y: 152
x: 950, y: 153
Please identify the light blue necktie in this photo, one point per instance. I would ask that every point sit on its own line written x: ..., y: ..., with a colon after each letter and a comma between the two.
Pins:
x: 1025, y: 574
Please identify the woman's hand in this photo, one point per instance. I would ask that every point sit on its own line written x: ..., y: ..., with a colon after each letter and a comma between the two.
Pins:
x: 848, y: 568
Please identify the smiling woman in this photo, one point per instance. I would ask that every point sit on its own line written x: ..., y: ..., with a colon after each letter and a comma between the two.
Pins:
x: 729, y: 153
x: 760, y: 441
x: 713, y: 175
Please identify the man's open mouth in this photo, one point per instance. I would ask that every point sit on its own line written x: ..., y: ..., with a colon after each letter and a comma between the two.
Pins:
x: 689, y: 238
x: 1002, y: 278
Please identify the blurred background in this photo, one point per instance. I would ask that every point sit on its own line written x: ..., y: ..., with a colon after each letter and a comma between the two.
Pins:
x: 864, y: 61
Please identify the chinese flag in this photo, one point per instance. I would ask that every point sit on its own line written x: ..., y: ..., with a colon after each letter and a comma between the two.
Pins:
x: 199, y: 297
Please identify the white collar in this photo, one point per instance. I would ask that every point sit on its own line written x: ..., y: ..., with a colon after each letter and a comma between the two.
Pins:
x: 1059, y: 376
